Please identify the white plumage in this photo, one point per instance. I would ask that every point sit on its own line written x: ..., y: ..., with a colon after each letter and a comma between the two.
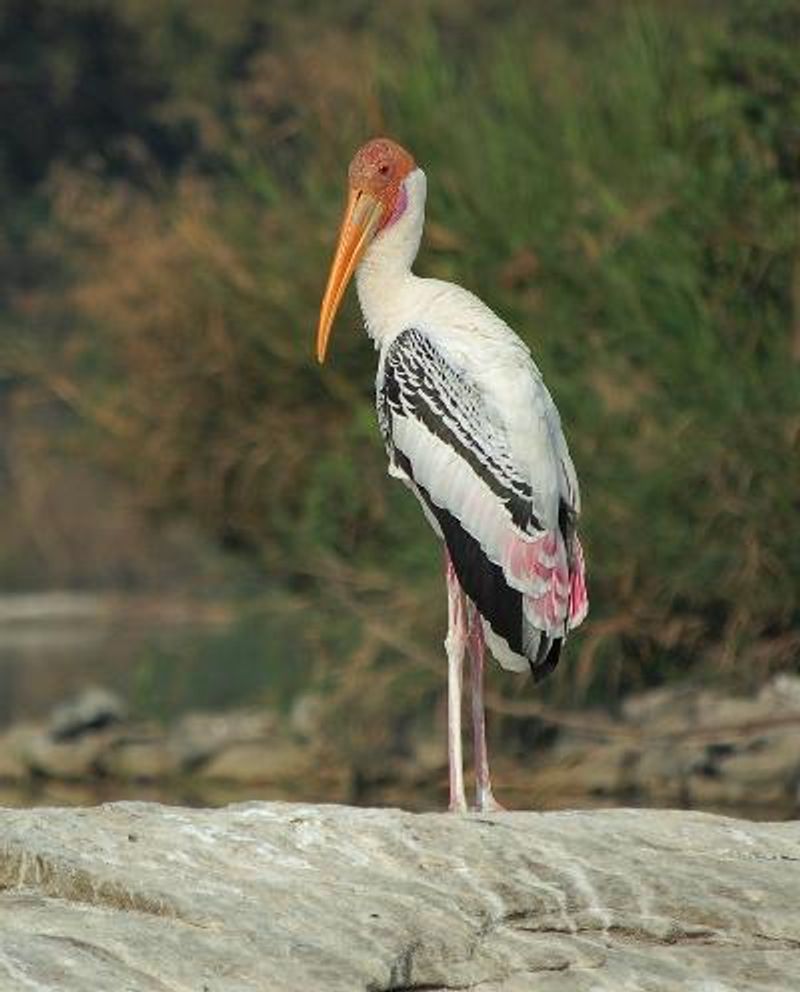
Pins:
x: 471, y: 428
x: 486, y: 391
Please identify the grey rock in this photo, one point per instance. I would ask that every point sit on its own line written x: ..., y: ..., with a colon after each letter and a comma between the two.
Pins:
x: 298, y: 898
x: 679, y: 745
x: 13, y: 745
x: 198, y: 737
x: 95, y: 708
x: 145, y: 758
x: 306, y: 715
x: 252, y: 762
x: 69, y: 760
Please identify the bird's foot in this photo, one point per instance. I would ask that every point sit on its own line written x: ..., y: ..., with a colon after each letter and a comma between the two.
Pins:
x: 486, y: 803
x: 458, y: 805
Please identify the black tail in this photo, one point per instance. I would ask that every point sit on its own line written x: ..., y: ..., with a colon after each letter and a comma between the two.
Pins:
x: 483, y: 581
x: 547, y: 657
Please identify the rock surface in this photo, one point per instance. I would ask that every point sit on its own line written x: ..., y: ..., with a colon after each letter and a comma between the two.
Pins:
x: 301, y: 898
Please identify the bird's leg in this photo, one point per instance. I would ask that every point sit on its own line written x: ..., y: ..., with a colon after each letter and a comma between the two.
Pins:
x: 484, y: 800
x: 455, y: 642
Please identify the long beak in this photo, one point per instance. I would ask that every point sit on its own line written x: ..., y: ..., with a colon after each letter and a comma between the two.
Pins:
x: 361, y: 219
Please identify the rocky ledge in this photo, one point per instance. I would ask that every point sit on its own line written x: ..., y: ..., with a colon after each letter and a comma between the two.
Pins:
x: 291, y: 897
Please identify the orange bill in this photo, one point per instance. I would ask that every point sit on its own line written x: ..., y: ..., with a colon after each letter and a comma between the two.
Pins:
x: 361, y: 221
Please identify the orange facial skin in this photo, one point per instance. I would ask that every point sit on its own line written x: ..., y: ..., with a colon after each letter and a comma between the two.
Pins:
x: 379, y: 168
x: 375, y: 199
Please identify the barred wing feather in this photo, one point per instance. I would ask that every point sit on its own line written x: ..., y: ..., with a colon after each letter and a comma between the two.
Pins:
x: 525, y: 578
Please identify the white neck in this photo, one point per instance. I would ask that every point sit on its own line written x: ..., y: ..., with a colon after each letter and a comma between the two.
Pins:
x: 384, y: 273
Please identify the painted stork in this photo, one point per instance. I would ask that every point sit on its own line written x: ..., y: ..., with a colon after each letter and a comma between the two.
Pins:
x: 472, y: 430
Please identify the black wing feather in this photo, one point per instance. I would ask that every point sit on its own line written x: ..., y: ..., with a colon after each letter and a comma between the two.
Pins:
x: 417, y: 381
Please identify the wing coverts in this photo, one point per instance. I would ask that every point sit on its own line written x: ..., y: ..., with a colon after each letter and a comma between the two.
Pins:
x: 526, y: 581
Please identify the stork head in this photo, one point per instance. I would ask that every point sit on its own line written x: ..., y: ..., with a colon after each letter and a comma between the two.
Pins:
x: 376, y: 199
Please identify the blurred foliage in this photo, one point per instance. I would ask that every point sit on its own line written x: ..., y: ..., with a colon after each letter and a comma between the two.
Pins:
x: 620, y: 181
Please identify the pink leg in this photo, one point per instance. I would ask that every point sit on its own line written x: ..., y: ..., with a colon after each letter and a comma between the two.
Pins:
x: 455, y: 643
x: 484, y: 800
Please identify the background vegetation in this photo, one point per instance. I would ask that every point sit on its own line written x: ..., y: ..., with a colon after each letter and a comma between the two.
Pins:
x: 619, y: 180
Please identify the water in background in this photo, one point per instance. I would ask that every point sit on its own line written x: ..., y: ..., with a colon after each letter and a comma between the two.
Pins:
x: 162, y: 657
x: 165, y: 657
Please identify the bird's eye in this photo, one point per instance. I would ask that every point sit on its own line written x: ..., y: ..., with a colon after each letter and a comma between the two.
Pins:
x: 383, y: 169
